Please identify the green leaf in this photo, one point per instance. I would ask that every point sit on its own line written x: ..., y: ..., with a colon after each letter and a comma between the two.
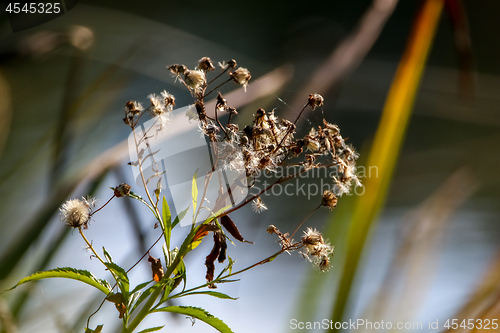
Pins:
x: 140, y: 286
x: 200, y: 314
x: 107, y: 255
x: 121, y: 277
x: 210, y: 293
x: 152, y: 329
x: 145, y: 295
x: 69, y: 273
x: 167, y: 220
x: 228, y: 268
x: 180, y: 217
x: 194, y: 192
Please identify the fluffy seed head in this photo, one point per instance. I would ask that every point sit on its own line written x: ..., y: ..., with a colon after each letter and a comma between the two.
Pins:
x: 76, y: 212
x: 258, y: 206
x: 241, y: 76
x: 195, y: 79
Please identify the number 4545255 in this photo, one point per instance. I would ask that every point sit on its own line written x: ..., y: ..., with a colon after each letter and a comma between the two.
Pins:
x: 32, y: 8
x: 472, y: 323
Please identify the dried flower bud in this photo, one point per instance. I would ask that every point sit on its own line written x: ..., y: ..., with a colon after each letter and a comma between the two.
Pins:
x: 271, y: 229
x: 315, y: 100
x: 195, y: 79
x: 329, y: 199
x: 221, y: 104
x: 177, y: 69
x: 312, y: 237
x: 206, y: 64
x: 76, y: 212
x: 133, y: 107
x: 169, y: 100
x: 244, y: 140
x: 122, y: 190
x: 241, y: 76
x: 323, y: 263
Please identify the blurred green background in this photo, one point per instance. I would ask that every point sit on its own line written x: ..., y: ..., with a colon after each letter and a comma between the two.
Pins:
x: 434, y: 253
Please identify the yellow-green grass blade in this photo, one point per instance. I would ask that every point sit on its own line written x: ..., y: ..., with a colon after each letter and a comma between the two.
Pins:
x: 387, y: 143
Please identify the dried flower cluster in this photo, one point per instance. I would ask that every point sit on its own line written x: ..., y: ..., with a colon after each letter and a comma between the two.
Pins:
x: 316, y: 250
x: 265, y: 145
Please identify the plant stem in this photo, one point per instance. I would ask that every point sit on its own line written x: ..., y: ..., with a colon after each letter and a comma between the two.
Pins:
x: 308, y: 216
x: 220, y: 85
x: 89, y: 245
x: 102, y: 206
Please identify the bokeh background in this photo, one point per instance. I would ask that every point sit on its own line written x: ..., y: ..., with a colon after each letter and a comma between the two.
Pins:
x: 432, y: 246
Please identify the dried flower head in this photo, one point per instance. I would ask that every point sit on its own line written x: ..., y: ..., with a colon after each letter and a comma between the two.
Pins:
x: 258, y: 206
x: 241, y: 76
x: 329, y: 199
x: 76, y: 212
x: 315, y: 100
x: 168, y: 100
x: 316, y: 250
x: 133, y: 107
x: 206, y: 64
x: 122, y: 190
x: 271, y: 229
x: 177, y: 69
x: 195, y: 79
x: 157, y: 107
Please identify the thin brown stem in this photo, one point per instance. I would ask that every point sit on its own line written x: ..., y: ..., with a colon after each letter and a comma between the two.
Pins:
x: 218, y: 76
x: 91, y: 214
x: 220, y: 85
x: 308, y: 216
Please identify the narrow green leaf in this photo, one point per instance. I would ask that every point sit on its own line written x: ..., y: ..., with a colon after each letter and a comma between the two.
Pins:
x: 180, y: 217
x: 200, y: 314
x: 167, y: 220
x: 107, y: 255
x: 140, y: 286
x: 132, y: 298
x: 69, y: 273
x: 210, y: 293
x: 145, y: 295
x: 194, y: 192
x: 152, y: 329
x: 122, y: 277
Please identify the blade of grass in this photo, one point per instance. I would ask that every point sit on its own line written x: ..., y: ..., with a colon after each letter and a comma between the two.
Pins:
x: 387, y: 143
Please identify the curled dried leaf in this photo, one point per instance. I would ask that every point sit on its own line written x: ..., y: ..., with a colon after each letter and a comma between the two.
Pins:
x: 156, y: 268
x: 228, y: 223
